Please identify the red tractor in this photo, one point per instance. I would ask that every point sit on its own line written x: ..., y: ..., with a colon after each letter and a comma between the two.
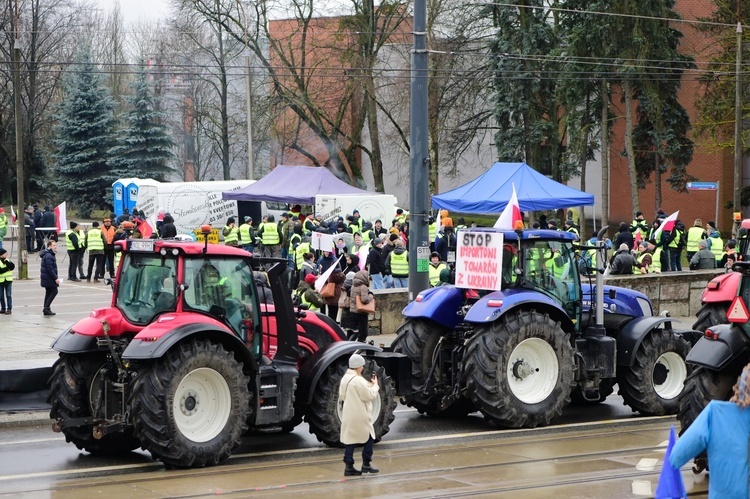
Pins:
x: 721, y: 290
x: 190, y: 356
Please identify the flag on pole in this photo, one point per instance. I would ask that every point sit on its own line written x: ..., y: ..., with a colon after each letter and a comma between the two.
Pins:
x: 363, y: 254
x: 323, y: 278
x: 148, y: 227
x: 511, y: 214
x: 667, y: 225
x: 13, y: 214
x: 438, y: 227
x: 670, y: 484
x: 61, y: 217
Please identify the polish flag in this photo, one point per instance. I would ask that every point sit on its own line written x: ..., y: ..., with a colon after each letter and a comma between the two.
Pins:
x: 666, y: 225
x: 510, y: 215
x: 148, y: 227
x: 61, y: 215
x: 438, y: 227
x: 363, y: 254
x: 13, y: 214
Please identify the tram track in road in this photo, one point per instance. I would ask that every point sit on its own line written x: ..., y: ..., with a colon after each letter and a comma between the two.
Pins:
x: 510, y: 453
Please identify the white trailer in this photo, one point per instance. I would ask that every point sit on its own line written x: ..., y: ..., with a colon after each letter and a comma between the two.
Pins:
x: 371, y: 207
x: 191, y: 204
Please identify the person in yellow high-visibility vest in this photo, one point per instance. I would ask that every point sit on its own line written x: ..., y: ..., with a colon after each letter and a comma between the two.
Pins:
x: 6, y: 282
x: 95, y: 244
x: 3, y: 225
x: 270, y: 237
x: 231, y: 233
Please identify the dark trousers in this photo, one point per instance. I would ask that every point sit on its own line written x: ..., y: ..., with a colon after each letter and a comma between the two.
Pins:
x: 109, y: 256
x: 366, y: 452
x: 361, y: 326
x: 333, y: 311
x: 39, y: 240
x: 81, y: 256
x: 675, y: 260
x: 49, y: 295
x: 99, y: 260
x: 75, y: 258
x: 6, y: 295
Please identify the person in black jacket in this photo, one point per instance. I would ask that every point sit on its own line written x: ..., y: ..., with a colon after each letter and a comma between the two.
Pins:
x: 48, y: 220
x: 624, y: 236
x: 49, y: 280
x: 376, y: 264
x: 623, y: 261
x: 168, y: 230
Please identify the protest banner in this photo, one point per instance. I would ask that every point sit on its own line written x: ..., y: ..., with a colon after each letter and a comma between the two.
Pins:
x: 479, y: 264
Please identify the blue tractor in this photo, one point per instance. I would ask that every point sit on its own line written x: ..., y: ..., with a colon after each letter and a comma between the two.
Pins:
x: 520, y: 354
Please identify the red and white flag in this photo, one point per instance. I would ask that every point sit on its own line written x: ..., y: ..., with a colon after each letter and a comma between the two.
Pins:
x: 61, y: 217
x: 510, y: 215
x: 13, y: 214
x: 148, y: 227
x: 666, y: 225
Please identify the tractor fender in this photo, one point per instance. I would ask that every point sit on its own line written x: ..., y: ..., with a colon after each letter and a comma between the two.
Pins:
x: 630, y: 337
x: 439, y: 304
x: 722, y: 288
x: 716, y: 354
x: 143, y: 348
x: 314, y: 367
x: 494, y: 305
x: 71, y: 342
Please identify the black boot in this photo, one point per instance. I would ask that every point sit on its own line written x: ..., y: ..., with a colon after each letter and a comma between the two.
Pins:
x: 369, y: 468
x: 350, y: 470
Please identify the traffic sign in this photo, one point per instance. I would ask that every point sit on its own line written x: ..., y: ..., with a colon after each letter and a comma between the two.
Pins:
x: 702, y: 186
x: 738, y: 311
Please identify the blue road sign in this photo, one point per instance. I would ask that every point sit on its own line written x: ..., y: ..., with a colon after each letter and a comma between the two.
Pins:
x: 702, y: 186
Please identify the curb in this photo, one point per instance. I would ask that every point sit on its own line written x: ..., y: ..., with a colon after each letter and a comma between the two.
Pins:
x: 25, y: 419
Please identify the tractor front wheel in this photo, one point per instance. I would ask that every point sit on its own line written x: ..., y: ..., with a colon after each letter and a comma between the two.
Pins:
x: 74, y: 393
x: 519, y: 370
x: 324, y: 414
x: 654, y: 382
x: 191, y: 406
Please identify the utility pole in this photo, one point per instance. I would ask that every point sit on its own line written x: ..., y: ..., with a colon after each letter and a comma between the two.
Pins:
x: 419, y: 159
x: 250, y: 159
x: 738, y: 119
x: 23, y: 269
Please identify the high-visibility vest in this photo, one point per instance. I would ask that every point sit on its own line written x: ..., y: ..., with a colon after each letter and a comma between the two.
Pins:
x: 678, y: 235
x: 694, y: 236
x: 435, y: 273
x: 246, y: 233
x: 270, y: 234
x: 717, y: 247
x: 69, y: 242
x: 233, y: 237
x: 118, y: 255
x: 81, y: 240
x: 95, y: 240
x: 433, y: 231
x: 366, y: 236
x: 295, y: 239
x: 109, y: 234
x: 3, y: 221
x: 400, y: 264
x: 6, y: 275
x: 641, y: 257
x: 299, y: 254
x: 656, y: 261
x: 310, y: 306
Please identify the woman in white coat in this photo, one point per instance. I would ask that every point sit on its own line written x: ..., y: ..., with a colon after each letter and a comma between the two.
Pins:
x: 357, y: 395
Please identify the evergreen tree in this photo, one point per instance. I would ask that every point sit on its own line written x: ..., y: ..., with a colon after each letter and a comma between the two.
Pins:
x: 526, y: 106
x: 143, y: 147
x: 83, y: 137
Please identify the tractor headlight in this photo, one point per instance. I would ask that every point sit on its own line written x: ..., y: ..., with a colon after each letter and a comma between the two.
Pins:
x: 646, y: 308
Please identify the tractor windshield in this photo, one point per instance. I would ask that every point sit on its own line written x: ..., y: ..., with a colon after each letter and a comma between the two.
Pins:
x: 146, y: 286
x: 222, y: 287
x: 549, y: 267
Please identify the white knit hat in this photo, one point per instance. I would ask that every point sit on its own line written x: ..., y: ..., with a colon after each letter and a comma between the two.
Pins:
x: 356, y: 361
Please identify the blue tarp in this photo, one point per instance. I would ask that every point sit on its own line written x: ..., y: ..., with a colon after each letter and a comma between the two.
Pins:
x: 490, y: 192
x: 293, y: 185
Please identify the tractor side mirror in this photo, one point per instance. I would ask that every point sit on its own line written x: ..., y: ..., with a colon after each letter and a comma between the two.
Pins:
x: 184, y: 286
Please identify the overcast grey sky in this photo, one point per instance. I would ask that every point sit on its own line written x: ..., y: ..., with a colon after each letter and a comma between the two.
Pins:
x: 133, y: 10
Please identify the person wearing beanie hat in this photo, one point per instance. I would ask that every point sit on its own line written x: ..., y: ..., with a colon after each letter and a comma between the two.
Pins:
x: 305, y: 293
x: 623, y: 262
x: 694, y: 234
x: 357, y: 395
x: 721, y: 430
x: 231, y: 233
x: 6, y: 282
x: 704, y: 258
x: 247, y: 234
x: 74, y: 245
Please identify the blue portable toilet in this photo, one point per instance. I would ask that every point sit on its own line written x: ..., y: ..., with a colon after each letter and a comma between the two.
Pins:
x: 132, y: 195
x: 119, y: 198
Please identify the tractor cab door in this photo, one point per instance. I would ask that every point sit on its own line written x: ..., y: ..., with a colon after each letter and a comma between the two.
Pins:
x: 224, y: 288
x: 550, y: 268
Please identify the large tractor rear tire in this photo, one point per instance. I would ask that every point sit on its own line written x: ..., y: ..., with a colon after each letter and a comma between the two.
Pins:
x: 519, y: 370
x: 191, y: 406
x: 653, y: 383
x: 324, y: 414
x: 74, y: 388
x: 711, y: 314
x: 419, y: 339
x: 701, y: 387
